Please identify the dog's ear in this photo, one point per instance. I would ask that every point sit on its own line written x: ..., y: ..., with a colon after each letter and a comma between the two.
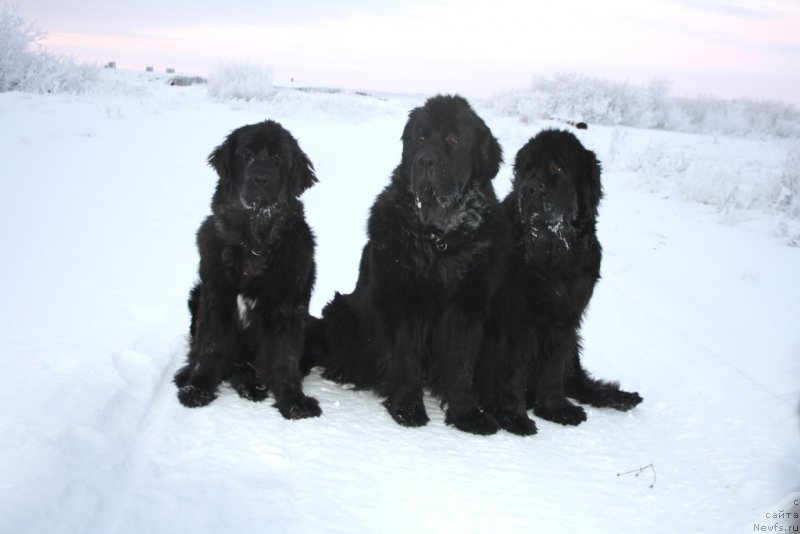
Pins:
x: 522, y: 163
x: 407, y: 133
x: 593, y: 190
x: 490, y: 154
x: 408, y: 140
x: 220, y: 159
x: 302, y: 174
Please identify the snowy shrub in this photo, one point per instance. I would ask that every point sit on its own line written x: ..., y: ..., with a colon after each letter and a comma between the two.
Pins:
x: 241, y: 81
x: 715, y: 185
x: 576, y: 97
x: 659, y: 160
x: 613, y: 158
x: 788, y: 201
x: 738, y: 117
x: 26, y: 66
x: 733, y: 175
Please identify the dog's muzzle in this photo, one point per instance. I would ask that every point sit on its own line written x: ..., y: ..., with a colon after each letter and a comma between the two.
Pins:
x: 429, y: 179
x: 260, y: 190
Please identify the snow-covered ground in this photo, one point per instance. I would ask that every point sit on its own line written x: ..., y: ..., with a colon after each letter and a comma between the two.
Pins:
x: 100, y: 196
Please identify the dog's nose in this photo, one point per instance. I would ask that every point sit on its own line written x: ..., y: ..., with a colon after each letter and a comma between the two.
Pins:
x: 261, y: 178
x: 425, y: 161
x: 534, y: 188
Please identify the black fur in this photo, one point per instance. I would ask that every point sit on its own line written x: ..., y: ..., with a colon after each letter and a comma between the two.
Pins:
x: 436, y: 250
x: 532, y: 350
x: 257, y: 271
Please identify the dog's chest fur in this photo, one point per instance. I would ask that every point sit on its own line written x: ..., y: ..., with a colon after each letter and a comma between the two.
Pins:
x: 435, y: 256
x: 242, y: 265
x: 250, y: 246
x: 559, y: 271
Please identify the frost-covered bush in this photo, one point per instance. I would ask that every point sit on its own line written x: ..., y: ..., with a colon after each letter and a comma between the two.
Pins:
x: 789, y: 199
x: 733, y: 175
x: 736, y: 117
x: 577, y: 97
x: 241, y: 81
x: 26, y: 66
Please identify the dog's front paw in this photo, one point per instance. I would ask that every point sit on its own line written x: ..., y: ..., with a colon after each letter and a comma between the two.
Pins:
x: 516, y: 423
x: 563, y: 413
x: 407, y: 412
x: 194, y: 397
x: 473, y: 421
x: 300, y: 408
x: 255, y: 391
x: 339, y: 376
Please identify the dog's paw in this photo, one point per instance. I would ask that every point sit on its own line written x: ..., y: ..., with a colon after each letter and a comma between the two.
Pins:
x: 338, y: 376
x: 562, y: 413
x: 407, y: 413
x: 255, y: 392
x: 193, y: 397
x: 473, y: 421
x: 516, y: 423
x: 300, y: 408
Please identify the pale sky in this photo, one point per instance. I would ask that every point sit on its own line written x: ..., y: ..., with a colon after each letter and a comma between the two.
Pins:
x: 727, y: 48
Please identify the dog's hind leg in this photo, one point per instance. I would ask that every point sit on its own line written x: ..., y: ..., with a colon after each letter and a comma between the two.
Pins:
x: 193, y: 303
x: 315, y: 345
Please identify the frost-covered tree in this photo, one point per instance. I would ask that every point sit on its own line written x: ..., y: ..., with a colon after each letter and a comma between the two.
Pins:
x: 26, y: 66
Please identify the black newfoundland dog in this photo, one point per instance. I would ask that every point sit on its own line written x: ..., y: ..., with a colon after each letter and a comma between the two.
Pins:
x: 437, y: 243
x: 256, y: 275
x: 531, y: 354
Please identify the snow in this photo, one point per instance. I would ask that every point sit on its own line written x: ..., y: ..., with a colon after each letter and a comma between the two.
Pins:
x: 100, y: 197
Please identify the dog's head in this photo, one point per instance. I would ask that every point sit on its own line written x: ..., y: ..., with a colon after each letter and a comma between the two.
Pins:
x: 259, y: 166
x: 446, y: 148
x: 556, y: 181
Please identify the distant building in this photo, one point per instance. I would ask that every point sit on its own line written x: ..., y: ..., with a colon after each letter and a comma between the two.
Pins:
x: 170, y: 71
x: 111, y: 65
x: 149, y: 69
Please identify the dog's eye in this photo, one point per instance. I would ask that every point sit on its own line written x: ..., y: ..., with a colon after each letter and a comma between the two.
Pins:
x: 248, y: 155
x: 555, y: 168
x: 277, y: 157
x: 452, y: 139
